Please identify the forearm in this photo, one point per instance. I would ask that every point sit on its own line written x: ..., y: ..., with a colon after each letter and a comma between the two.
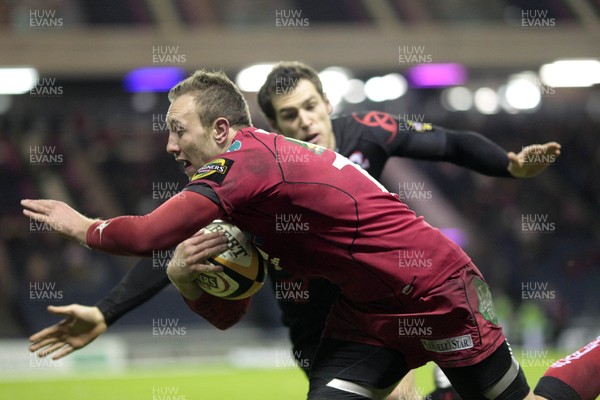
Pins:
x: 174, y: 221
x: 467, y: 149
x: 476, y: 152
x: 139, y: 285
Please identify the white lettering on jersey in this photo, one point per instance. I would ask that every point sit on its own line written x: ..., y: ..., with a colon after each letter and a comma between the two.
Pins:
x: 341, y: 162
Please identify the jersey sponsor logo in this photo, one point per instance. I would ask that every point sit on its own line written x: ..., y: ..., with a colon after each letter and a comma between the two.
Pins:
x: 450, y: 344
x: 379, y: 119
x: 214, y: 170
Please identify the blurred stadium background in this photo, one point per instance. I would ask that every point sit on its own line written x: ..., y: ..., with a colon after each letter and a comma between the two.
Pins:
x: 82, y: 120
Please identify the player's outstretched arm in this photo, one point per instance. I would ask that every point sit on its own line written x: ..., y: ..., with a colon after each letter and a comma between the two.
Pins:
x: 174, y: 221
x: 533, y: 159
x: 82, y: 324
x: 474, y: 151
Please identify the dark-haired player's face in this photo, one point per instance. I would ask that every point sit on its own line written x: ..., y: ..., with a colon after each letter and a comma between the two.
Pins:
x: 304, y: 115
x: 190, y: 142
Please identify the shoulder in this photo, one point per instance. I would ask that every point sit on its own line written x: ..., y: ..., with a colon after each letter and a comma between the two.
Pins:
x: 374, y: 126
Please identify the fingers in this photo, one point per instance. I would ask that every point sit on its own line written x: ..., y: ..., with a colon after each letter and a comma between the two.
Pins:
x: 512, y: 156
x: 36, y: 205
x: 202, y: 236
x: 553, y: 147
x: 207, y: 267
x: 61, y: 310
x: 58, y: 350
x: 46, y: 332
x: 51, y: 349
x: 201, y: 247
x: 44, y: 341
x: 65, y: 351
x: 38, y: 210
x: 51, y: 331
x: 35, y: 216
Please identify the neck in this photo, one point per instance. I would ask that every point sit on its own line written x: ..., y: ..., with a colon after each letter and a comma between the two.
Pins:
x: 230, y: 137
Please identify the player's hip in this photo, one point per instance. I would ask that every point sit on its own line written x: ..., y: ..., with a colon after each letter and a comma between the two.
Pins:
x: 453, y: 324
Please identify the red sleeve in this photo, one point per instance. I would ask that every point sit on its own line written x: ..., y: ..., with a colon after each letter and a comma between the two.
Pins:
x: 174, y: 221
x: 222, y: 313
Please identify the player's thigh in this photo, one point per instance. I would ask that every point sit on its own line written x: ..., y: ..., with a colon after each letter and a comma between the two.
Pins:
x: 350, y: 370
x: 497, y: 377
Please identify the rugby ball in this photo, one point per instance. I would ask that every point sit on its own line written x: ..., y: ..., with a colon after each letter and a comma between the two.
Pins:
x: 244, y: 268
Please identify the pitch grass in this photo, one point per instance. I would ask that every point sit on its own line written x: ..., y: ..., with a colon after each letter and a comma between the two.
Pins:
x: 199, y: 383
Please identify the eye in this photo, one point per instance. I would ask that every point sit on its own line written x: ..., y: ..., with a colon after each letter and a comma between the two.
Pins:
x: 177, y: 129
x: 289, y: 117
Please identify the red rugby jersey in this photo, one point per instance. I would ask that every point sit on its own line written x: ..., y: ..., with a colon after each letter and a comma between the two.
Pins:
x: 317, y: 214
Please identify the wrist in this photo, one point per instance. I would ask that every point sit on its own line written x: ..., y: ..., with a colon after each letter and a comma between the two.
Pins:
x: 81, y: 236
x: 189, y: 290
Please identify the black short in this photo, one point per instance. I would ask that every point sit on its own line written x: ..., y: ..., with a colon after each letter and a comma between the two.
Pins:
x: 366, y: 365
x: 377, y: 368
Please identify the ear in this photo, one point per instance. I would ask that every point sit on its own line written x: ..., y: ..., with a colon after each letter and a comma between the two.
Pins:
x: 221, y: 130
x: 327, y: 103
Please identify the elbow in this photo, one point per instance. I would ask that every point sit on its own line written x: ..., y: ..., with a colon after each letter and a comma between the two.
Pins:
x: 221, y: 313
x: 236, y: 311
x: 224, y: 325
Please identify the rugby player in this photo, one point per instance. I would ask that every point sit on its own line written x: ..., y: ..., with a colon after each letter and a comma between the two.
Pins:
x: 368, y: 139
x: 357, y: 230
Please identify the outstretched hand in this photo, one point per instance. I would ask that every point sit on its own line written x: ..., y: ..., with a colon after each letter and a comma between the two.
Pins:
x: 82, y: 324
x: 58, y: 216
x: 533, y: 159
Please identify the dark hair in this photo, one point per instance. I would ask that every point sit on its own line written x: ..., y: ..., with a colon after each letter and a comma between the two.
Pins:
x: 215, y: 96
x: 284, y: 77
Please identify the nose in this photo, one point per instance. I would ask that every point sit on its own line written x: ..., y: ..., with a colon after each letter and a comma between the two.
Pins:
x: 305, y: 120
x: 172, y: 145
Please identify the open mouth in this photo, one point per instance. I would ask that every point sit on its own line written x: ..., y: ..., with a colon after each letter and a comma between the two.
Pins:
x: 312, y: 138
x: 187, y: 167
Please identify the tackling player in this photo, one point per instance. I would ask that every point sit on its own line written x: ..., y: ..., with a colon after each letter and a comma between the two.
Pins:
x: 293, y: 100
x: 358, y: 232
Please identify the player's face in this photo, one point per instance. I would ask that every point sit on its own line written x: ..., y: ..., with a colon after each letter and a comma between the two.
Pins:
x: 190, y: 142
x: 304, y: 115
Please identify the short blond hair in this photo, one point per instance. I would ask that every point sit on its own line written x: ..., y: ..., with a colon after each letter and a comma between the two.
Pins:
x: 215, y: 96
